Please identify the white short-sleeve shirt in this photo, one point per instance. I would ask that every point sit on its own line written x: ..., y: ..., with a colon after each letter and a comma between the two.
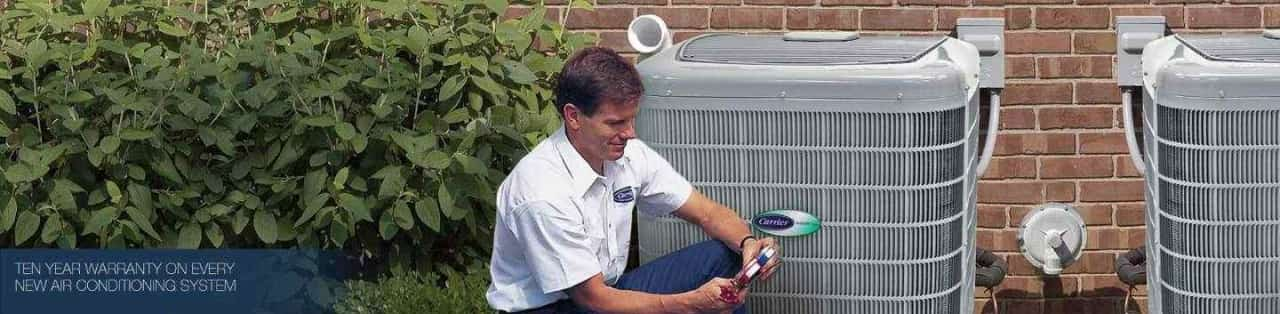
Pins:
x: 560, y: 223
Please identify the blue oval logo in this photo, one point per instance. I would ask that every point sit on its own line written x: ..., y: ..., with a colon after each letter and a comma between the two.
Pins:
x: 624, y: 195
x: 774, y: 222
x: 787, y: 223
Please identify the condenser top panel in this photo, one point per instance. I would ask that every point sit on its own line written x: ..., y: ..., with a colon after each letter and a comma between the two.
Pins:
x: 807, y: 49
x: 1239, y: 47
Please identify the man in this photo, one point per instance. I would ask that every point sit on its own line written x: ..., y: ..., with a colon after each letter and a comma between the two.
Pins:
x: 564, y: 213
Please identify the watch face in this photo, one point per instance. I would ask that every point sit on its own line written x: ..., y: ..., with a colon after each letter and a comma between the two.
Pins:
x: 786, y: 223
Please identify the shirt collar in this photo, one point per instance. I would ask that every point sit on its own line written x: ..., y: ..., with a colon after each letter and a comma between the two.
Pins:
x: 579, y: 171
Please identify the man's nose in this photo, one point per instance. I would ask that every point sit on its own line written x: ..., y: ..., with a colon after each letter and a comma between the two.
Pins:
x: 628, y: 131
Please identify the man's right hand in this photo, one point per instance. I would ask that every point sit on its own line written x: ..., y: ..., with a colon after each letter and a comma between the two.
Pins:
x: 708, y: 298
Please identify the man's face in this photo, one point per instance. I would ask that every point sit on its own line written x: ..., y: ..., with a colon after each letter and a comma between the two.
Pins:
x: 604, y: 135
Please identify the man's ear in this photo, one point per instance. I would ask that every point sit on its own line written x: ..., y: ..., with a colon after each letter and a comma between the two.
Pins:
x: 572, y: 117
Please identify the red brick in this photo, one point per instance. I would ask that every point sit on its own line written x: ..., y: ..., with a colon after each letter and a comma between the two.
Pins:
x: 1011, y: 306
x: 1036, y: 2
x: 746, y: 17
x: 998, y: 240
x: 1088, y: 2
x: 1254, y: 1
x: 1019, y: 266
x: 1019, y: 67
x: 857, y: 2
x: 1106, y: 238
x: 1173, y: 15
x: 1072, y: 18
x: 1060, y: 192
x: 935, y: 2
x: 1037, y: 42
x: 826, y: 19
x: 1097, y: 92
x: 1093, y: 263
x: 714, y: 2
x: 1184, y: 1
x: 1014, y: 18
x: 781, y: 2
x: 636, y: 2
x: 1035, y: 144
x: 990, y: 216
x: 600, y: 18
x: 897, y: 19
x: 1125, y: 167
x: 616, y: 41
x: 677, y: 18
x: 514, y: 12
x: 1137, y: 237
x: 1111, y: 191
x: 1095, y: 43
x: 1011, y: 167
x: 1095, y: 214
x: 1076, y: 118
x: 1224, y: 17
x: 1017, y: 118
x: 1272, y: 17
x: 1131, y: 215
x: 1000, y: 192
x: 1074, y: 67
x: 1103, y: 143
x: 1036, y: 93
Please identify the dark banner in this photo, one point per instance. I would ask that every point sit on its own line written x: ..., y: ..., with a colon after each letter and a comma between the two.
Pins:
x: 169, y: 281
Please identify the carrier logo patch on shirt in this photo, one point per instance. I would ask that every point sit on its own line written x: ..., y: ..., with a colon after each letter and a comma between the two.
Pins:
x: 624, y: 195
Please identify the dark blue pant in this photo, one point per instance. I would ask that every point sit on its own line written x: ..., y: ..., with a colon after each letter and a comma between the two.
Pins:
x: 681, y: 271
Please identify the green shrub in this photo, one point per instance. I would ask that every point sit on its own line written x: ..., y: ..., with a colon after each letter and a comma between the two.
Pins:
x: 414, y: 292
x: 380, y: 128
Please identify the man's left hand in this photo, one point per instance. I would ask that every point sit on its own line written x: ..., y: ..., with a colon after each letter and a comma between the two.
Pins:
x: 752, y: 248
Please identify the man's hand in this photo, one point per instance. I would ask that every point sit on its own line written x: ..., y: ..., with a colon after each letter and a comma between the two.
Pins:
x: 752, y: 248
x: 710, y: 298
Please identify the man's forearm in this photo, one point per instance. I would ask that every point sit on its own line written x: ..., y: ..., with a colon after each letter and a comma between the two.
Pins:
x: 716, y: 220
x: 604, y: 299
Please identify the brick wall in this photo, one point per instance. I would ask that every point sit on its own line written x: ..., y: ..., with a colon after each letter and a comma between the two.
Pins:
x: 1061, y: 137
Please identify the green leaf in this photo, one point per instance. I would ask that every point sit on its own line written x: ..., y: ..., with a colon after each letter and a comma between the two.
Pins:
x: 52, y: 229
x: 94, y: 8
x: 340, y: 180
x: 487, y: 84
x: 429, y: 212
x: 471, y: 165
x: 313, y: 205
x: 264, y: 223
x: 356, y: 206
x: 345, y: 130
x: 313, y: 183
x: 6, y: 103
x: 214, y: 233
x: 9, y: 214
x: 190, y: 236
x: 322, y: 121
x: 140, y: 196
x: 239, y: 222
x: 140, y: 219
x: 109, y: 144
x: 457, y: 115
x: 496, y: 6
x: 172, y: 30
x: 519, y: 73
x: 437, y: 160
x: 131, y: 134
x: 387, y: 226
x: 447, y: 206
x: 114, y: 191
x: 281, y: 17
x: 26, y: 227
x: 392, y: 181
x: 100, y: 219
x: 403, y: 215
x: 452, y: 86
x: 80, y: 97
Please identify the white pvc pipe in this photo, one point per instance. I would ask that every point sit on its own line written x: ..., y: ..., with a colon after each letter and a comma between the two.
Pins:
x: 993, y: 126
x: 1135, y: 154
x: 648, y: 35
